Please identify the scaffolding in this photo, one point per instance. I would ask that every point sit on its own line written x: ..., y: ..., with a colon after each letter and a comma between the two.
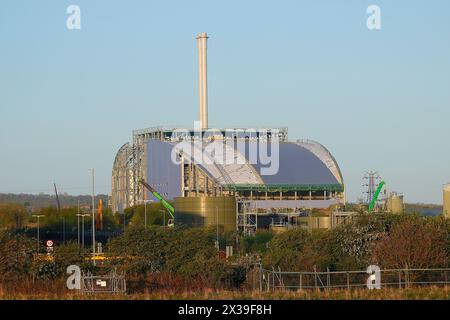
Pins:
x: 247, y: 216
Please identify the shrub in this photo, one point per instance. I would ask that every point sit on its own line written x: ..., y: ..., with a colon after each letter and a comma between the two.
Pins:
x: 12, y: 215
x: 317, y: 253
x: 355, y: 240
x: 257, y: 243
x: 16, y: 256
x: 415, y: 243
x: 284, y: 249
x: 51, y: 267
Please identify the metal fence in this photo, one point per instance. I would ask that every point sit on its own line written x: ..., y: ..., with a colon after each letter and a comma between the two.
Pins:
x: 271, y: 280
x: 111, y: 283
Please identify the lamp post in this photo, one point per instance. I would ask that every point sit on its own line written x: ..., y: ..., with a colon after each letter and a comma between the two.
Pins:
x: 82, y: 226
x: 93, y: 217
x: 38, y: 216
x: 145, y: 211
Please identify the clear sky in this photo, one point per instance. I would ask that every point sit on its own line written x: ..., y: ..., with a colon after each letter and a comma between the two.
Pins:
x: 376, y: 99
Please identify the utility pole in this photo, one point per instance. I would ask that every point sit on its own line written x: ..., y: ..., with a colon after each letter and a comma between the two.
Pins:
x: 38, y: 216
x: 145, y: 211
x: 82, y: 227
x: 93, y: 216
x: 82, y: 230
x: 59, y: 212
x: 78, y: 223
x: 82, y: 215
x: 217, y: 229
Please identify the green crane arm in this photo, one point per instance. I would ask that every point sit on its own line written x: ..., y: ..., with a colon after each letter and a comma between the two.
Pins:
x: 164, y: 202
x: 375, y: 196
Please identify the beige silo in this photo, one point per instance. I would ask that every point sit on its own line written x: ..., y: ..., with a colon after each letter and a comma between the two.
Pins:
x: 446, y: 207
x: 394, y: 203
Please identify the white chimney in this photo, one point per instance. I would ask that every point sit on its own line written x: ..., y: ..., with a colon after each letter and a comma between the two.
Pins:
x: 202, y: 80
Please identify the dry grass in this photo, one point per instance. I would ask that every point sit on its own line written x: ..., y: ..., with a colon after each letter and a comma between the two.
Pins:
x: 58, y: 292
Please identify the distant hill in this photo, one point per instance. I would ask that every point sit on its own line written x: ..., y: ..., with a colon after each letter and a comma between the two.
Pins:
x: 37, y: 201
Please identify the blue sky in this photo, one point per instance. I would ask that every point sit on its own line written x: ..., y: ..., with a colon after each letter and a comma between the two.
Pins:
x: 376, y: 99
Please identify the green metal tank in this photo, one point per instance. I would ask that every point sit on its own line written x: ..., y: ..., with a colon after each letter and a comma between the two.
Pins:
x: 206, y: 211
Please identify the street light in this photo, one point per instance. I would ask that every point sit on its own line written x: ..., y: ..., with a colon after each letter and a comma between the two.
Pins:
x: 93, y: 217
x: 145, y: 210
x: 38, y: 216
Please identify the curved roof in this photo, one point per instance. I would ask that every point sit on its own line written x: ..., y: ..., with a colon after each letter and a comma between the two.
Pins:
x: 296, y: 165
x: 221, y: 161
x: 122, y: 156
x: 252, y: 162
x: 324, y: 155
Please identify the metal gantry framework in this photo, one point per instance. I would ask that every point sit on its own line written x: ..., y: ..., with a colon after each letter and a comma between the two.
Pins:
x: 247, y: 216
x: 371, y: 179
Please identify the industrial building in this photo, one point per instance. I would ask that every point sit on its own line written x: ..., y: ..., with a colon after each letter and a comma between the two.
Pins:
x: 446, y: 204
x: 237, y: 178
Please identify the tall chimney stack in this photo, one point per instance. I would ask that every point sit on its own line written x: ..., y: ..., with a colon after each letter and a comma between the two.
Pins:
x: 202, y: 80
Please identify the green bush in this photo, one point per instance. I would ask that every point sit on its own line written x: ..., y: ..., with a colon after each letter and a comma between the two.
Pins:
x: 185, y: 252
x: 257, y: 243
x: 16, y: 256
x: 156, y: 214
x: 12, y: 216
x: 285, y: 248
x: 46, y: 267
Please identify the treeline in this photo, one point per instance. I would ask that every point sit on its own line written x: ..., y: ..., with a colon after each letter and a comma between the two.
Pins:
x: 164, y: 258
x: 15, y: 216
x: 389, y: 241
x: 38, y: 201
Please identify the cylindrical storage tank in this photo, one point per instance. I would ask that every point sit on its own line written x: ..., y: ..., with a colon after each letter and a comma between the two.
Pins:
x: 446, y: 207
x: 206, y: 211
x: 312, y: 223
x: 395, y: 203
x: 324, y: 222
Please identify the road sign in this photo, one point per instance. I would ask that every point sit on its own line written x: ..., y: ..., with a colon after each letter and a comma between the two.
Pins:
x: 49, y: 243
